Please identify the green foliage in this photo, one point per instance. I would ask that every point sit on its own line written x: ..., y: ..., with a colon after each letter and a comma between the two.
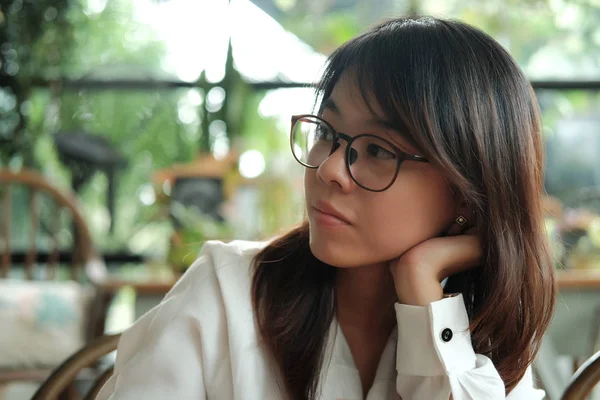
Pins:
x: 551, y: 39
x: 37, y: 36
x: 155, y: 129
x: 261, y: 133
x: 35, y: 39
x: 113, y: 44
x: 326, y: 33
x: 146, y: 130
x: 144, y: 126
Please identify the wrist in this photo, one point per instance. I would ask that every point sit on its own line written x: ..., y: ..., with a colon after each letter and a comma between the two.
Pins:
x: 420, y: 300
x: 419, y: 293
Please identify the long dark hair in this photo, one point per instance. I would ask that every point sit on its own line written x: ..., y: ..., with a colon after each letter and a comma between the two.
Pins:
x: 471, y: 110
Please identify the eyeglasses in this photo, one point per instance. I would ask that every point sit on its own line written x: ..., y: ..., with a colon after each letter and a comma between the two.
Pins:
x: 373, y: 162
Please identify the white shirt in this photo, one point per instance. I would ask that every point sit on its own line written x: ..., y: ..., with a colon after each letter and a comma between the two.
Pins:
x: 201, y: 343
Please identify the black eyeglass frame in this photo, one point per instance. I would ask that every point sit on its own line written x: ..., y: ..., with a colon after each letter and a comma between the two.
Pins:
x: 402, y: 155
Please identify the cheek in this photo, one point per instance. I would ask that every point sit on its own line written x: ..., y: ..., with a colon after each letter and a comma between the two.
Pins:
x: 408, y: 215
x: 310, y: 180
x: 416, y: 208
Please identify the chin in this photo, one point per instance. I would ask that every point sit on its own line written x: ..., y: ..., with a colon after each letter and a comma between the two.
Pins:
x: 334, y: 253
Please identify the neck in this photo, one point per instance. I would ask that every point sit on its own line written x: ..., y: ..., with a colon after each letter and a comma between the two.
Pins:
x: 366, y: 297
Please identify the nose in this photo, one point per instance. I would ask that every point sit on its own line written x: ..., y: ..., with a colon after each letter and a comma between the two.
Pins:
x: 333, y: 171
x: 352, y: 157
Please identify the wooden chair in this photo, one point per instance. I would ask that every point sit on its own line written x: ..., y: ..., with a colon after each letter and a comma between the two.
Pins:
x: 584, y: 380
x: 38, y: 186
x: 66, y: 373
x: 80, y: 259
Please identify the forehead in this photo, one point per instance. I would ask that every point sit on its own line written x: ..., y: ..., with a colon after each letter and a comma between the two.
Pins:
x: 348, y: 100
x: 349, y: 105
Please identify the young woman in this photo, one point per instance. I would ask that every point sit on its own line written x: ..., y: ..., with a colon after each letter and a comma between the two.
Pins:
x: 422, y: 271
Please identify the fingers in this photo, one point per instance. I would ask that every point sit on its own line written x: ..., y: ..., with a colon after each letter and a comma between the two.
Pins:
x: 462, y: 252
x: 455, y: 229
x: 443, y: 256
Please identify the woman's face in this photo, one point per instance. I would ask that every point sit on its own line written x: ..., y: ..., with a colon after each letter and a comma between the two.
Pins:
x: 371, y: 227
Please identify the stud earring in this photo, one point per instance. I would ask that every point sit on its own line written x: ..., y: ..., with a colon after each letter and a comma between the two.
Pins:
x: 461, y: 220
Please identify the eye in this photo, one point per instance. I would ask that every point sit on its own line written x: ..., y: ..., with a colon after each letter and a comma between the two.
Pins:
x: 374, y: 150
x: 323, y: 133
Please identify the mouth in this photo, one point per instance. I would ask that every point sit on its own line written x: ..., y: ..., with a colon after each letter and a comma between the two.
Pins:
x: 325, y: 214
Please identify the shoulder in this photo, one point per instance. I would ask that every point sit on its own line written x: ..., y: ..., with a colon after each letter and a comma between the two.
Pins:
x: 220, y: 275
x: 218, y: 278
x: 186, y: 335
x: 217, y: 258
x: 218, y: 299
x: 221, y: 254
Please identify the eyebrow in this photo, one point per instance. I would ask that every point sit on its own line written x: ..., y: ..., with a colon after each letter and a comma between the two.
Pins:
x: 329, y: 104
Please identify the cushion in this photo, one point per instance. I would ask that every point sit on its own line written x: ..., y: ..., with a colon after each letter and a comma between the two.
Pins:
x: 41, y: 322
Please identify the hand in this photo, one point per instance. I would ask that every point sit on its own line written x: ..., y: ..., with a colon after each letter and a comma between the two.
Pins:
x: 418, y: 272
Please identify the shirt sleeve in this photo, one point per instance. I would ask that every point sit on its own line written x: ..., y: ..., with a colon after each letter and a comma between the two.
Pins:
x: 435, y: 357
x: 161, y: 355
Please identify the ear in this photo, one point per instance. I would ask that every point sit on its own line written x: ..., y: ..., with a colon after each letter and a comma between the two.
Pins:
x: 460, y: 203
x: 463, y: 211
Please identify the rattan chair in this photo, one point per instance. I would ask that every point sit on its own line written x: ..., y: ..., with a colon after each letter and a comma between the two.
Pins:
x: 64, y: 376
x: 47, y: 224
x: 584, y: 380
x: 37, y: 187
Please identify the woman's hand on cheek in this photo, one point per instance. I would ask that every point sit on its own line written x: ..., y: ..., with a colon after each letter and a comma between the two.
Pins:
x: 418, y: 273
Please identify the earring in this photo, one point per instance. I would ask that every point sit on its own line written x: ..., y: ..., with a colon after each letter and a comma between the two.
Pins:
x: 461, y: 220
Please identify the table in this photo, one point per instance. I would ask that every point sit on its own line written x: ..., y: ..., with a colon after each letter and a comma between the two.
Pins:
x: 580, y: 283
x: 148, y: 292
x: 577, y: 310
x: 574, y: 328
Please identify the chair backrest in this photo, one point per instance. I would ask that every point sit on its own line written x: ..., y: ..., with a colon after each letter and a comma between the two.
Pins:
x: 37, y: 187
x: 584, y: 379
x: 65, y: 374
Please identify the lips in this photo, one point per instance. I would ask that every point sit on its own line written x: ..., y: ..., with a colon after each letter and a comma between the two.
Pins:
x: 330, y: 212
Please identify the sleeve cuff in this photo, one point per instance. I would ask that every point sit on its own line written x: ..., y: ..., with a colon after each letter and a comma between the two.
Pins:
x: 434, y: 340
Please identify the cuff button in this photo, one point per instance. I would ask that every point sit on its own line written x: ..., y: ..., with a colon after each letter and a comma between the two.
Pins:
x: 446, y: 335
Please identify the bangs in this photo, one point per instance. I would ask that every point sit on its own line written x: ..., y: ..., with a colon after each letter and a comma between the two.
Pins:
x: 382, y: 67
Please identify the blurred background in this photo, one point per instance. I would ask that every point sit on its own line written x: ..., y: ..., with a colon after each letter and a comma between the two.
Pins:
x: 167, y: 122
